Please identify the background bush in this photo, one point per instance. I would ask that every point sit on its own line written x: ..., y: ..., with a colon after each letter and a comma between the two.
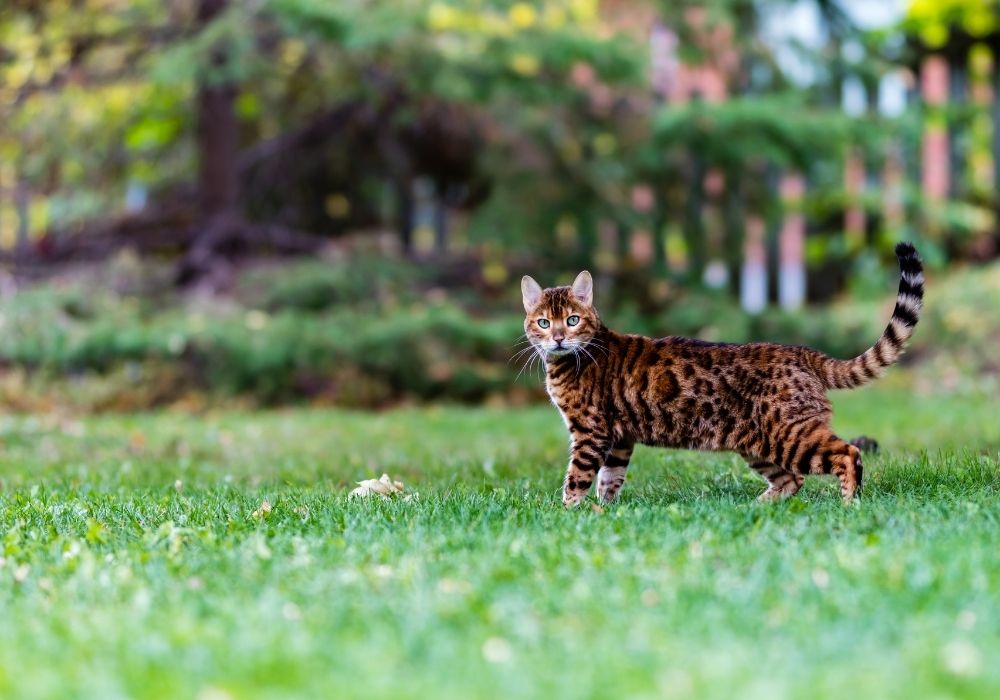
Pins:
x: 378, y: 331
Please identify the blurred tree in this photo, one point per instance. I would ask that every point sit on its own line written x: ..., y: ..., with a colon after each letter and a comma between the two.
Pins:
x: 218, y: 177
x: 268, y: 125
x: 422, y: 91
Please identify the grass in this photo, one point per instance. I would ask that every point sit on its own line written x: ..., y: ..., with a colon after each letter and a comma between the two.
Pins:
x: 137, y: 561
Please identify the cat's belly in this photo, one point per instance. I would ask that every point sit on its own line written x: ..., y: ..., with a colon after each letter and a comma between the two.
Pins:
x: 689, y: 434
x: 705, y: 444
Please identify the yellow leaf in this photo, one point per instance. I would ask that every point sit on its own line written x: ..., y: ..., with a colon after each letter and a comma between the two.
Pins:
x: 441, y: 17
x: 554, y: 17
x: 524, y: 64
x: 584, y: 10
x: 605, y: 144
x: 522, y: 15
x: 337, y: 205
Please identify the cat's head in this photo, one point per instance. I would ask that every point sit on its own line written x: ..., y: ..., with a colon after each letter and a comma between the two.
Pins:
x: 560, y: 320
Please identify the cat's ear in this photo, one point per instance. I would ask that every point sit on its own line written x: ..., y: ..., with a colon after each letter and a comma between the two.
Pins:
x: 531, y: 293
x: 583, y: 288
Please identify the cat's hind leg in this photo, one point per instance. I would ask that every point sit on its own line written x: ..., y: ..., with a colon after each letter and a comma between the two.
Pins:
x: 781, y: 483
x: 612, y: 475
x: 814, y: 449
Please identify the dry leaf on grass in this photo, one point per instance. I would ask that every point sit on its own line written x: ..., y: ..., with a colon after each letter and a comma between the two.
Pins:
x: 263, y: 511
x: 383, y: 486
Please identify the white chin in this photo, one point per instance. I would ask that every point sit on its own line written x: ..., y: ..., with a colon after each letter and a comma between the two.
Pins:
x: 557, y: 352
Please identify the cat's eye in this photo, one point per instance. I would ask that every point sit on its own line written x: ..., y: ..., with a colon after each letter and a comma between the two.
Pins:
x: 543, y: 323
x: 572, y: 320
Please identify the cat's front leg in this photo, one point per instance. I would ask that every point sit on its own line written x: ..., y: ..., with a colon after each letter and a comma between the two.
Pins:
x: 611, y: 477
x: 587, y: 454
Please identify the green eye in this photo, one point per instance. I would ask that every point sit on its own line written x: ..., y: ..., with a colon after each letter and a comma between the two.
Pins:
x: 543, y: 323
x: 572, y: 320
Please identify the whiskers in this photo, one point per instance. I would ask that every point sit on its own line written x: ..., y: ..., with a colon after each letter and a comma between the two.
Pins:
x: 530, y: 354
x: 584, y: 348
x: 595, y: 344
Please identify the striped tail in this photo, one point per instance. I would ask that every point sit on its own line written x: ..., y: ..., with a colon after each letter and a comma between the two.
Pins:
x: 847, y: 374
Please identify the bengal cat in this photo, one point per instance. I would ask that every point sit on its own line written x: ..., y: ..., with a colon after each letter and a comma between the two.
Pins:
x: 766, y: 402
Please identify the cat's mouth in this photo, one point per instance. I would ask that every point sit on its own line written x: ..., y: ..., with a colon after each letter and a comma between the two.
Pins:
x: 559, y: 350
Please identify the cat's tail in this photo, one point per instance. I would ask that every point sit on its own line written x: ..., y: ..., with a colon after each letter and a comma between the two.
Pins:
x: 847, y: 374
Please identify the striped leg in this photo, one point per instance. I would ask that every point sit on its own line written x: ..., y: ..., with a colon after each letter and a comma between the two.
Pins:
x: 849, y: 469
x: 586, y: 456
x: 781, y: 483
x: 817, y: 450
x: 612, y: 475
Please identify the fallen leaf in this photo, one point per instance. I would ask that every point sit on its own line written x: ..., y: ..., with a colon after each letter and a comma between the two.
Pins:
x: 263, y: 511
x: 383, y: 486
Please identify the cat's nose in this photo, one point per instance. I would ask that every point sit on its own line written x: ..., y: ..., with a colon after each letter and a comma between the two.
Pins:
x: 559, y: 339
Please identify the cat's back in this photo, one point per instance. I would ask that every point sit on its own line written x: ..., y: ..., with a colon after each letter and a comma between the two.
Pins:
x: 709, y: 354
x: 706, y: 366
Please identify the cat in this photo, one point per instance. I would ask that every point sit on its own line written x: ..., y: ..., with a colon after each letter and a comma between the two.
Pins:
x: 764, y: 401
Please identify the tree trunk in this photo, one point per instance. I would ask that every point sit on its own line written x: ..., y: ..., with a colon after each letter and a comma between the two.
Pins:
x: 404, y: 212
x: 218, y: 183
x: 218, y: 226
x: 22, y: 201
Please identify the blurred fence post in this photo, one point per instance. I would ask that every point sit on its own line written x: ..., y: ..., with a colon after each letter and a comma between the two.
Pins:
x: 893, y: 180
x: 957, y: 94
x: 753, y: 279
x: 791, y: 269
x: 936, y: 153
x: 136, y: 197
x: 694, y: 229
x: 854, y: 212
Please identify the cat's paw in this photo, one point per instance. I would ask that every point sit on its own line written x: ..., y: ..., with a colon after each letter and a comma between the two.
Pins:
x: 609, y: 483
x: 772, y: 495
x: 571, y: 499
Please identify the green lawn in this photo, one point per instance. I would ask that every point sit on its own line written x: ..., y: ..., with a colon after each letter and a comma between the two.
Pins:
x: 133, y: 564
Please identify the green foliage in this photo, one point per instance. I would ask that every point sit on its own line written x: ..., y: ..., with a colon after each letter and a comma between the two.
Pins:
x: 369, y: 332
x: 731, y: 134
x: 934, y: 20
x: 558, y: 124
x: 361, y: 345
x: 365, y: 283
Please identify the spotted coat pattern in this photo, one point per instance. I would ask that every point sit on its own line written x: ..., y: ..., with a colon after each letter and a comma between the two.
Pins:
x: 764, y: 401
